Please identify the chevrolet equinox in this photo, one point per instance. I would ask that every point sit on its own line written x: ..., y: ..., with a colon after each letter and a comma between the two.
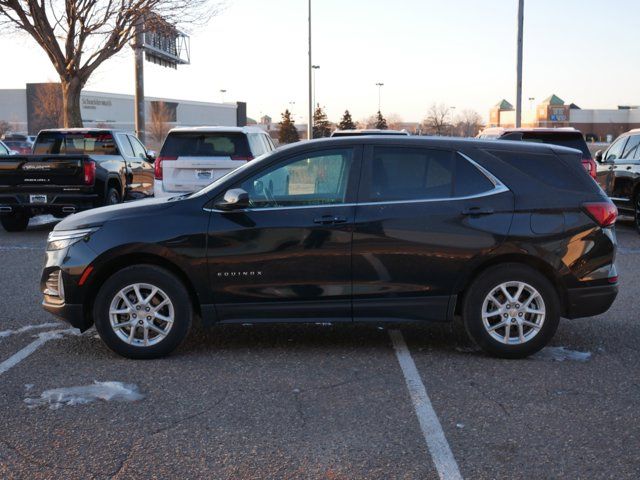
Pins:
x: 507, y: 236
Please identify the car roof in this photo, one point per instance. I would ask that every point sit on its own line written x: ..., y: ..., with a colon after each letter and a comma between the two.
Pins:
x: 82, y: 130
x: 218, y: 129
x: 426, y: 141
x: 373, y: 131
x: 532, y: 129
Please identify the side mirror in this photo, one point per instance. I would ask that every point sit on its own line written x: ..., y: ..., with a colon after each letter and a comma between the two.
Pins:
x: 151, y: 156
x: 234, y: 199
x: 598, y: 156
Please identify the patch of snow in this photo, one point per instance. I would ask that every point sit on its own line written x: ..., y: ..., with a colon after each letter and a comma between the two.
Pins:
x: 27, y: 328
x: 28, y: 386
x: 82, y: 395
x: 43, y: 220
x: 560, y: 354
x: 460, y: 425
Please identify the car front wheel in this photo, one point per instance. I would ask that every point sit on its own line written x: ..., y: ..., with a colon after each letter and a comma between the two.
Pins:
x: 143, y: 311
x: 511, y: 311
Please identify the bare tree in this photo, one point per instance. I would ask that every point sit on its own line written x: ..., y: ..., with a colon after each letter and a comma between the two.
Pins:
x: 437, y: 119
x: 47, y: 106
x: 469, y: 123
x: 159, y: 125
x: 394, y: 121
x: 79, y: 35
x: 5, y: 127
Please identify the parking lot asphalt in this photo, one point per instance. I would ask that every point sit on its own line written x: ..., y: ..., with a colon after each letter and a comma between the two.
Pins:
x: 317, y: 401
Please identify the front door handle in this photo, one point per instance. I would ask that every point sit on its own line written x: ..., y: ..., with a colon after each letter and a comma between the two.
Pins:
x: 329, y: 220
x: 472, y: 211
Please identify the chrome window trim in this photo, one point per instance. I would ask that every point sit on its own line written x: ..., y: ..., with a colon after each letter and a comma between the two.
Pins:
x: 498, y: 187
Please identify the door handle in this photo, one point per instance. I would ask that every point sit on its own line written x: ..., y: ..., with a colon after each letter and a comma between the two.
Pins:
x: 472, y: 211
x: 329, y: 220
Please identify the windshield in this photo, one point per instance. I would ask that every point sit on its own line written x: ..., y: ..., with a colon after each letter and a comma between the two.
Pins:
x: 238, y: 171
x: 75, y: 143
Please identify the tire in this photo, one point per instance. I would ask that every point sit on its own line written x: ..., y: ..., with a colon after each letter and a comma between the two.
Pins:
x: 112, y: 197
x: 521, y: 333
x: 636, y: 211
x: 17, y: 222
x: 114, y: 329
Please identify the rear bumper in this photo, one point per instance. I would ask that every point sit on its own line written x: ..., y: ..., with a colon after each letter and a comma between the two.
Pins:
x: 590, y: 301
x: 57, y: 203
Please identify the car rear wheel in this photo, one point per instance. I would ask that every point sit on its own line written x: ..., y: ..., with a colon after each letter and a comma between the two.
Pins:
x: 17, y: 222
x: 143, y: 311
x: 113, y: 196
x: 636, y: 211
x: 511, y: 311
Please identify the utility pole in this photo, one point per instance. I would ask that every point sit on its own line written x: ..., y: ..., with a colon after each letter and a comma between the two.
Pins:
x: 139, y: 81
x: 310, y: 125
x: 519, y: 67
x: 315, y: 67
x: 379, y: 85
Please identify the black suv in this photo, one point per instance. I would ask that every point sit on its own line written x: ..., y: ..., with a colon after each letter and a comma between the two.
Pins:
x: 619, y: 173
x: 508, y: 235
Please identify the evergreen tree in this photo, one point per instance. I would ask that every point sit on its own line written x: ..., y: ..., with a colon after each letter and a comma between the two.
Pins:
x: 381, y: 123
x: 288, y: 132
x: 347, y: 122
x: 321, y: 125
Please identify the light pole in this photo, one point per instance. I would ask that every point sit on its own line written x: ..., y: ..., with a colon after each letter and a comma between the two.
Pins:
x: 310, y: 125
x: 519, y: 67
x: 223, y: 91
x: 314, y: 67
x: 291, y: 104
x: 379, y: 85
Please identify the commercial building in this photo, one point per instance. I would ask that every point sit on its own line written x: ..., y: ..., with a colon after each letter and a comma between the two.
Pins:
x: 601, y: 125
x: 32, y: 108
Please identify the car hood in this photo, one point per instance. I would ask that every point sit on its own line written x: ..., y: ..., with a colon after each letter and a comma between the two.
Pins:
x: 99, y: 216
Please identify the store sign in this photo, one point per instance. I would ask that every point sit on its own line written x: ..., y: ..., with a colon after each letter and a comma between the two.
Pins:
x: 90, y: 103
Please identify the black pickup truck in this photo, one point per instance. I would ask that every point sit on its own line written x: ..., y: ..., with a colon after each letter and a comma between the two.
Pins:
x: 72, y: 170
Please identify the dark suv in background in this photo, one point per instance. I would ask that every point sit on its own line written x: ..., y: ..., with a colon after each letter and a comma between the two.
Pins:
x: 563, y: 137
x: 619, y: 173
x: 508, y: 235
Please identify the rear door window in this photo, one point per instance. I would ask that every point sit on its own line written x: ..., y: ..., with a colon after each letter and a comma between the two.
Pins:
x: 206, y: 144
x: 397, y: 173
x: 631, y: 149
x: 75, y: 143
x: 127, y: 150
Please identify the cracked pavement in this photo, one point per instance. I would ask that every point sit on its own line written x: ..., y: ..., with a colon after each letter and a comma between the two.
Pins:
x: 319, y: 402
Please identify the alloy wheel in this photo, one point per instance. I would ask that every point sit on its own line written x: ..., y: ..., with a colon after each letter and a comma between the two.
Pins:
x: 513, y: 313
x: 141, y: 315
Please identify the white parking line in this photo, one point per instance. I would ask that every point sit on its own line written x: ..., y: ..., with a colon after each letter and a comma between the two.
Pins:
x: 437, y: 443
x: 43, y: 338
x: 27, y: 328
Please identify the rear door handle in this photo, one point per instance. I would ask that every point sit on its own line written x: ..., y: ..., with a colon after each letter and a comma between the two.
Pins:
x: 477, y: 211
x: 329, y: 220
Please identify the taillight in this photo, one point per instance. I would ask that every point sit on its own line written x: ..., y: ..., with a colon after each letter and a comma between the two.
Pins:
x: 157, y: 166
x: 246, y: 158
x: 590, y: 166
x: 604, y: 213
x: 89, y: 172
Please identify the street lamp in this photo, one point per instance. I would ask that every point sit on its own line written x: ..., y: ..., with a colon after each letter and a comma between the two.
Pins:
x: 519, y: 67
x: 379, y: 85
x: 310, y: 124
x: 314, y: 67
x: 223, y: 91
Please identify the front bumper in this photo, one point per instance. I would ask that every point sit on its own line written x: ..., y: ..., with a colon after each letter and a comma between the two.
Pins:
x: 590, y: 301
x: 72, y: 314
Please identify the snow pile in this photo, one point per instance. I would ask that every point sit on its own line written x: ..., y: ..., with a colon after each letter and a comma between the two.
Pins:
x: 560, y: 354
x: 107, y: 391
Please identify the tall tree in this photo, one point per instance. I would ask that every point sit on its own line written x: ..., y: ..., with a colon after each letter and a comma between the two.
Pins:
x: 80, y: 35
x: 159, y: 123
x: 381, y: 123
x: 321, y: 125
x: 469, y: 123
x: 47, y: 106
x: 347, y: 122
x: 288, y: 132
x: 437, y: 119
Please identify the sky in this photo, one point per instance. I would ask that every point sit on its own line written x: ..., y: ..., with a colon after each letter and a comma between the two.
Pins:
x: 461, y: 53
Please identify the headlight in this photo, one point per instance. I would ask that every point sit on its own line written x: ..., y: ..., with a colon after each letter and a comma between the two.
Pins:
x: 65, y: 238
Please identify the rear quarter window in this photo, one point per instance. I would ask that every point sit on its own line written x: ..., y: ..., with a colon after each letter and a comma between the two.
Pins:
x: 546, y: 168
x: 206, y: 144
